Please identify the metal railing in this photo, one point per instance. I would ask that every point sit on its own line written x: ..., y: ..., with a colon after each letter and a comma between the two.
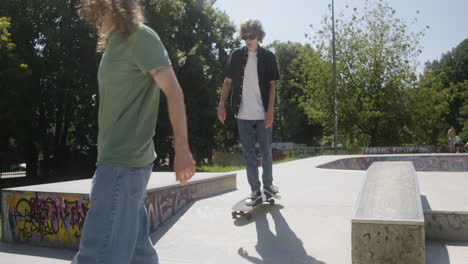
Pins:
x: 10, y: 169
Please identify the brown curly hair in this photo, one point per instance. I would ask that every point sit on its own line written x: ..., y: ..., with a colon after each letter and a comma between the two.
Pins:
x: 126, y: 16
x: 253, y: 26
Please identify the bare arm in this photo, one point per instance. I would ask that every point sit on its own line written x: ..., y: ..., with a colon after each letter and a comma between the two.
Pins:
x: 166, y: 79
x: 222, y: 103
x: 269, y: 115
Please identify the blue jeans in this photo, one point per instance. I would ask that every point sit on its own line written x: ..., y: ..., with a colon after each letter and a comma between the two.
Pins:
x: 251, y: 132
x: 116, y: 228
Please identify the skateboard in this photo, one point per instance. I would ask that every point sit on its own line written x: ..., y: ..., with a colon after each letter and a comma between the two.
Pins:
x: 240, y: 209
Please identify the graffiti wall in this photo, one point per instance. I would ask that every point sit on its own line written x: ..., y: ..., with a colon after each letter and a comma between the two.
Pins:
x: 450, y: 163
x: 401, y: 149
x: 56, y: 219
x: 164, y: 204
x: 44, y: 218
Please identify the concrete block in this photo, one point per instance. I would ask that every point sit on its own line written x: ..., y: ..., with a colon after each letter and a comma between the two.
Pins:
x: 446, y: 226
x: 388, y: 221
x: 387, y: 244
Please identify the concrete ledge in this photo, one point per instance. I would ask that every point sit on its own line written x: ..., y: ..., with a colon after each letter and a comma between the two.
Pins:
x: 387, y: 244
x: 388, y: 222
x: 446, y: 226
x: 52, y: 215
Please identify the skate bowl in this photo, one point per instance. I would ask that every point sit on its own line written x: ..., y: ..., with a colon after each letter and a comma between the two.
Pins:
x: 429, y: 162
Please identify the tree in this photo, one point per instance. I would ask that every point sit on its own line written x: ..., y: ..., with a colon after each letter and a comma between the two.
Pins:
x: 291, y: 123
x: 463, y: 86
x: 12, y: 70
x: 428, y: 106
x: 376, y: 64
x: 198, y: 38
x: 448, y: 76
x: 58, y: 94
x: 57, y: 103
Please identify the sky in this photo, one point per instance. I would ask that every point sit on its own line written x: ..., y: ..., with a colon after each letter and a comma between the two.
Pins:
x: 289, y: 20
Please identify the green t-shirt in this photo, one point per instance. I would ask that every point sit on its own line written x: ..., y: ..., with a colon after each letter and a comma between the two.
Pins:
x: 129, y: 98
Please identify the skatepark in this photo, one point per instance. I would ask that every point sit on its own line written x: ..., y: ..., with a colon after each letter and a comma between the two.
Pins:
x: 323, y: 200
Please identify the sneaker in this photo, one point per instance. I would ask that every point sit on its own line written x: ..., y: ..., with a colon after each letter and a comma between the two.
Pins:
x: 271, y: 191
x: 254, y: 197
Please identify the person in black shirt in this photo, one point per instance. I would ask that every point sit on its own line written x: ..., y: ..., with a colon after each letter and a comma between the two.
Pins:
x: 251, y: 73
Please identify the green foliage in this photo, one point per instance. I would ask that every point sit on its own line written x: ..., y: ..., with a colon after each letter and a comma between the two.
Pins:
x: 55, y: 102
x: 449, y: 76
x: 16, y: 116
x: 58, y: 109
x: 463, y: 120
x: 428, y: 106
x: 214, y: 168
x: 5, y: 37
x: 309, y: 77
x: 198, y: 38
x: 48, y: 88
x: 291, y: 124
x: 376, y: 54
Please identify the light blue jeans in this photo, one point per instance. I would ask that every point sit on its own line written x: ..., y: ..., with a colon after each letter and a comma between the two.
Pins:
x: 251, y: 132
x: 116, y: 228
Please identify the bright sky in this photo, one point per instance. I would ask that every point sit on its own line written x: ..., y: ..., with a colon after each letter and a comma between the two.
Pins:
x: 289, y: 20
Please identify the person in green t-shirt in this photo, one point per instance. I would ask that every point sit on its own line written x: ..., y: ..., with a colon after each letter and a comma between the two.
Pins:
x: 134, y: 67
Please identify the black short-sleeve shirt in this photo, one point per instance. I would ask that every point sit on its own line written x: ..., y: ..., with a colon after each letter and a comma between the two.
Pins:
x: 267, y: 70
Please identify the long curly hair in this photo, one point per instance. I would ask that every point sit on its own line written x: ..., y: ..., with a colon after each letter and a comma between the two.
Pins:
x: 126, y: 15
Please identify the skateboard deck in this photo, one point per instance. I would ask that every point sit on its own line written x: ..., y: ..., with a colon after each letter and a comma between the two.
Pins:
x: 241, y: 209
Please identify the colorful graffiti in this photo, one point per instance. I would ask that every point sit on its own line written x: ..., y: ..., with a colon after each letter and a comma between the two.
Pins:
x: 165, y: 204
x: 57, y: 219
x: 451, y: 163
x: 40, y: 218
x: 400, y: 149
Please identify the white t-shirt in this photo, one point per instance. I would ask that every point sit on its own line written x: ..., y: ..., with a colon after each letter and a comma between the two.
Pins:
x: 454, y: 140
x: 251, y: 107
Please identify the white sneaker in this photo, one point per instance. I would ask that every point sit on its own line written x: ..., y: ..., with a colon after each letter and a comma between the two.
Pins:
x: 271, y: 191
x: 254, y: 197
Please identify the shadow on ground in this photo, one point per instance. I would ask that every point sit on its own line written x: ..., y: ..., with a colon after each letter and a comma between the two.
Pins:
x: 282, y: 247
x: 43, y: 252
x: 437, y: 253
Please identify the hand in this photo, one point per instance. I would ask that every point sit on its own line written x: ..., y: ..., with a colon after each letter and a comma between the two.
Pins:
x: 221, y: 113
x: 184, y: 166
x: 268, y: 119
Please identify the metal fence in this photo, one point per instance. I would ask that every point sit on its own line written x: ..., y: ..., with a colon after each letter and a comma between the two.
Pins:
x: 12, y: 169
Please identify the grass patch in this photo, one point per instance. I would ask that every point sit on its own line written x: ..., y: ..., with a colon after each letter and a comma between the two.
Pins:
x: 286, y: 160
x: 217, y: 168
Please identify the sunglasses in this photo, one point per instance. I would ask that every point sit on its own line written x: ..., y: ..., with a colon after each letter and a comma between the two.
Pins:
x: 251, y: 37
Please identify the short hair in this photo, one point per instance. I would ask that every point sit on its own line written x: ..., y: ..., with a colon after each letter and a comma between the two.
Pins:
x: 253, y: 26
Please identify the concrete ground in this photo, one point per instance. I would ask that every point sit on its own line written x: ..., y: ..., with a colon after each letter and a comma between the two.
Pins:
x: 311, y: 224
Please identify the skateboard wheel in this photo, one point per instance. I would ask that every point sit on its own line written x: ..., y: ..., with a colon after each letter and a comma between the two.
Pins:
x: 272, y: 202
x: 234, y: 215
